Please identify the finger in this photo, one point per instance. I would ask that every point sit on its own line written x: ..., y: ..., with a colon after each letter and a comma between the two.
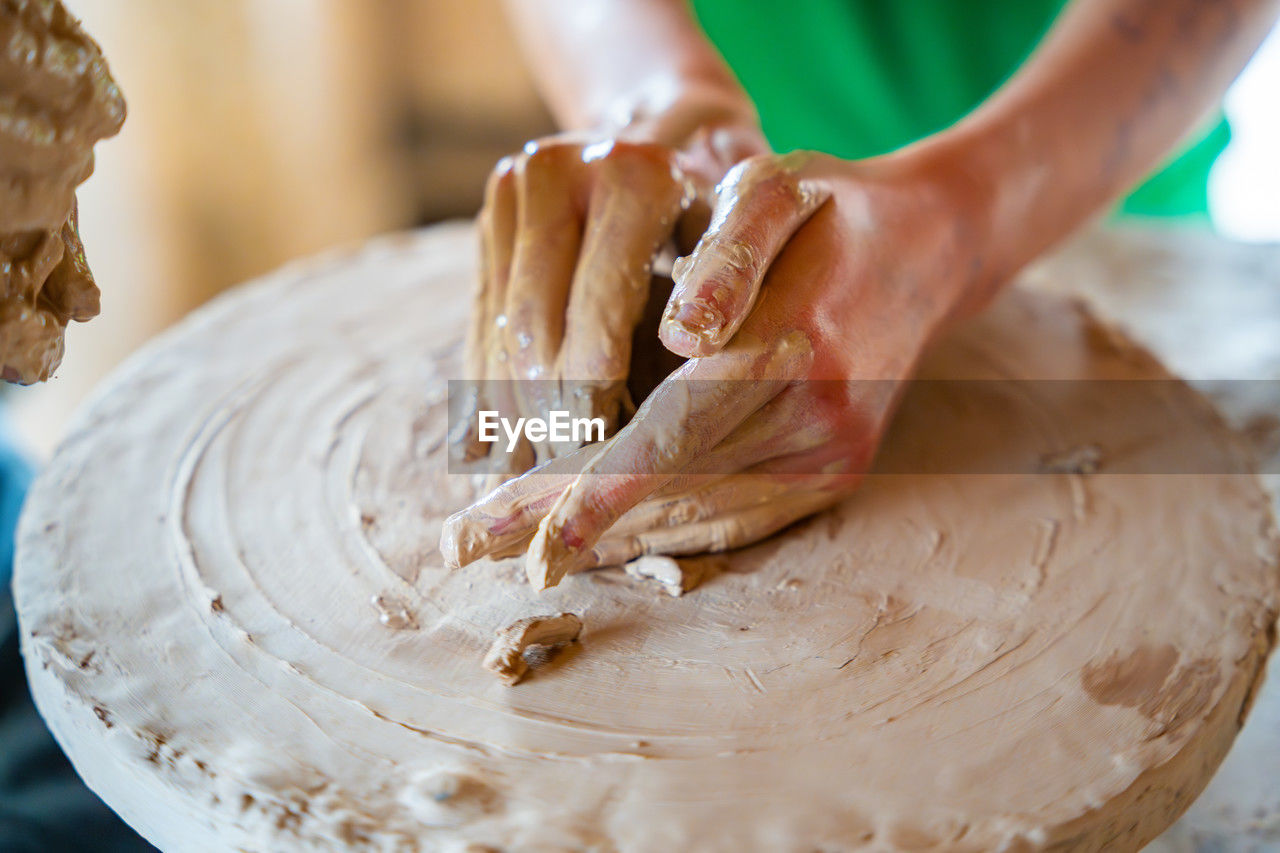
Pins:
x: 773, y: 477
x: 686, y: 416
x: 547, y: 239
x: 792, y: 422
x: 767, y: 497
x: 633, y: 212
x: 500, y: 385
x: 754, y: 519
x: 484, y: 354
x: 760, y: 205
x: 704, y: 499
x: 503, y: 521
x: 789, y: 424
x: 509, y: 514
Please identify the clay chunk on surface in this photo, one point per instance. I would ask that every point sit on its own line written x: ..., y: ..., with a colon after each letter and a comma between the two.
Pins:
x: 506, y: 657
x: 676, y: 577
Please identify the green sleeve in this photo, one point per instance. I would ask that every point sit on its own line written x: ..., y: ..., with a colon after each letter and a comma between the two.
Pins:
x: 856, y: 78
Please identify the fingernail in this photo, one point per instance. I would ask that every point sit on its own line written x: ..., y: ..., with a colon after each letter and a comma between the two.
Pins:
x: 696, y: 317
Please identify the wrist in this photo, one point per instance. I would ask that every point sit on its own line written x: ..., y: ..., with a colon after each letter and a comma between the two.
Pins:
x: 675, y: 112
x: 709, y: 127
x: 972, y: 190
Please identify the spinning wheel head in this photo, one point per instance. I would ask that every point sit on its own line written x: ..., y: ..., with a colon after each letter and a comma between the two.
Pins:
x: 253, y: 641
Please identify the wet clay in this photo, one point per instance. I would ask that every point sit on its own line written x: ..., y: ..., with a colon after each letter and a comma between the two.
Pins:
x: 676, y: 578
x: 58, y: 100
x: 506, y: 657
x: 255, y: 644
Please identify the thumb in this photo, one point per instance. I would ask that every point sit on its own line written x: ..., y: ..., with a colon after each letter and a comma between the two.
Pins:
x: 759, y: 206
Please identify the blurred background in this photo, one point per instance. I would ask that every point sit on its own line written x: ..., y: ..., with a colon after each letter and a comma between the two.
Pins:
x: 264, y: 130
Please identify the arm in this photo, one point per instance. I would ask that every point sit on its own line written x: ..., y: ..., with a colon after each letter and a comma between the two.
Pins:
x: 1114, y: 88
x: 636, y: 68
x: 1111, y: 92
x: 849, y: 270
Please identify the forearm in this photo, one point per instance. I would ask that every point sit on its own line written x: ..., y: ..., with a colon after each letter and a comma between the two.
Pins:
x: 637, y: 68
x: 1115, y: 87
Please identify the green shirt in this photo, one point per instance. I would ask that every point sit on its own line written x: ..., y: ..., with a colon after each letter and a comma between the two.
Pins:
x: 856, y: 78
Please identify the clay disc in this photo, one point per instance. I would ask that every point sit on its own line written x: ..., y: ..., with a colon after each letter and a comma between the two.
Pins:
x: 237, y: 624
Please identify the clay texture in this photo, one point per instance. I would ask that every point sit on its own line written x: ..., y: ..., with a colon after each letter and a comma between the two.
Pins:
x: 57, y: 99
x: 238, y: 625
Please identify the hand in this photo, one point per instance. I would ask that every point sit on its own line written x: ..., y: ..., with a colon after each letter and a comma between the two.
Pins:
x: 569, y: 232
x: 804, y: 308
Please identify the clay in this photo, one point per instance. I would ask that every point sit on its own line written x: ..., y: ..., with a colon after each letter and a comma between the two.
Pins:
x: 676, y: 578
x: 506, y: 657
x: 208, y: 648
x: 560, y: 296
x: 681, y: 426
x: 724, y: 272
x: 59, y: 99
x: 1084, y: 459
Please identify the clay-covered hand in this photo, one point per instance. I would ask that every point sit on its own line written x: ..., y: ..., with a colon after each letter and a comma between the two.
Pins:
x: 569, y: 232
x: 804, y: 306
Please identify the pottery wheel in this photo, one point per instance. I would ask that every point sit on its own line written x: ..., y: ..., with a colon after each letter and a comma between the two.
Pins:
x: 238, y: 626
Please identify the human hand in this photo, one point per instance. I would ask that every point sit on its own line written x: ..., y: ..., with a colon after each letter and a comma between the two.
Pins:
x: 569, y: 232
x: 803, y: 308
